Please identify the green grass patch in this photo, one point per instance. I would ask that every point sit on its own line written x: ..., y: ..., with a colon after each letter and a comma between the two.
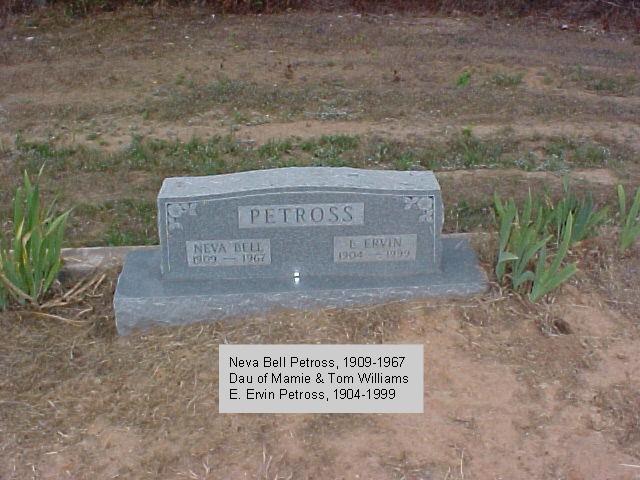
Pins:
x: 464, y: 79
x: 601, y: 83
x: 224, y: 154
x: 118, y: 222
x: 331, y: 150
x: 131, y: 221
x: 582, y: 153
x: 470, y: 151
x: 38, y: 153
x: 507, y: 79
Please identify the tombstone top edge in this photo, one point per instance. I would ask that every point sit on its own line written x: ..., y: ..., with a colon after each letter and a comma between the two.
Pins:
x: 298, y: 177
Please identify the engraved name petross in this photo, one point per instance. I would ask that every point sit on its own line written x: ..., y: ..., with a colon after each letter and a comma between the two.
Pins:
x: 301, y: 215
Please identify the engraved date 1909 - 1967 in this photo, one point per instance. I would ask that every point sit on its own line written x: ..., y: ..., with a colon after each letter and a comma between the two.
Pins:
x: 228, y: 253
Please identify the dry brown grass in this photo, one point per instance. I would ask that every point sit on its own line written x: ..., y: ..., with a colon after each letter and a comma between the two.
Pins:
x: 62, y: 380
x: 620, y: 404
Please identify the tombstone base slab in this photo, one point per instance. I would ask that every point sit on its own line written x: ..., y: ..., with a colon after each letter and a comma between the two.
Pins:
x: 144, y: 300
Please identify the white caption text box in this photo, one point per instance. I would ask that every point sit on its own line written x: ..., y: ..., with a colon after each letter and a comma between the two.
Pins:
x: 321, y: 378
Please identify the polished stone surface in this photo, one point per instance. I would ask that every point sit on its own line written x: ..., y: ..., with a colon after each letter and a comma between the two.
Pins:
x: 242, y: 243
x: 144, y: 299
x: 309, y: 221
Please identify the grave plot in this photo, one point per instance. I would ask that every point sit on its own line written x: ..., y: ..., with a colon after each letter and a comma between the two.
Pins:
x: 293, y: 238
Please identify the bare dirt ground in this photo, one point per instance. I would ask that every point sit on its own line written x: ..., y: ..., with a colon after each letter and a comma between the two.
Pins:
x: 512, y: 390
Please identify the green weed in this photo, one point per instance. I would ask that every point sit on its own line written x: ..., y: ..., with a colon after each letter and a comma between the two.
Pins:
x: 40, y: 153
x: 328, y: 150
x: 506, y: 214
x: 224, y: 154
x: 604, y: 85
x: 507, y: 79
x: 523, y: 240
x: 549, y: 277
x: 524, y: 236
x: 30, y: 262
x: 591, y: 155
x: 586, y: 217
x: 565, y: 151
x: 464, y: 79
x: 598, y: 82
x: 470, y: 151
x: 383, y: 152
x: 404, y: 161
x: 81, y: 8
x: 274, y: 149
x: 629, y: 220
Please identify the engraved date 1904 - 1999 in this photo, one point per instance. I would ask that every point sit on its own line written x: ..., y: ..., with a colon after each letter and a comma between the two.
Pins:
x: 374, y: 248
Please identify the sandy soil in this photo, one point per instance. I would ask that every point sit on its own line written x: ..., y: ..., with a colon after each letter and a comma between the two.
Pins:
x: 512, y: 390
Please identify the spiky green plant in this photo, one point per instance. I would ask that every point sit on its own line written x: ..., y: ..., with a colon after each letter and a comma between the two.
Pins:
x: 521, y: 236
x: 586, y: 218
x: 527, y: 239
x: 506, y: 214
x: 629, y: 221
x: 31, y: 261
x: 522, y: 247
x: 547, y: 278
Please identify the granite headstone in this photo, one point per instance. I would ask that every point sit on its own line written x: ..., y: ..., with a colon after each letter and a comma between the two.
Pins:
x: 301, y: 237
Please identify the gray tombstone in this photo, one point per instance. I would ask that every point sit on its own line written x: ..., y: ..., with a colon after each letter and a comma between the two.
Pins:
x: 302, y: 237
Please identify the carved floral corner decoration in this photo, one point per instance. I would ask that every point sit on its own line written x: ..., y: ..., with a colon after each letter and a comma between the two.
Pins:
x: 424, y: 204
x: 177, y: 210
